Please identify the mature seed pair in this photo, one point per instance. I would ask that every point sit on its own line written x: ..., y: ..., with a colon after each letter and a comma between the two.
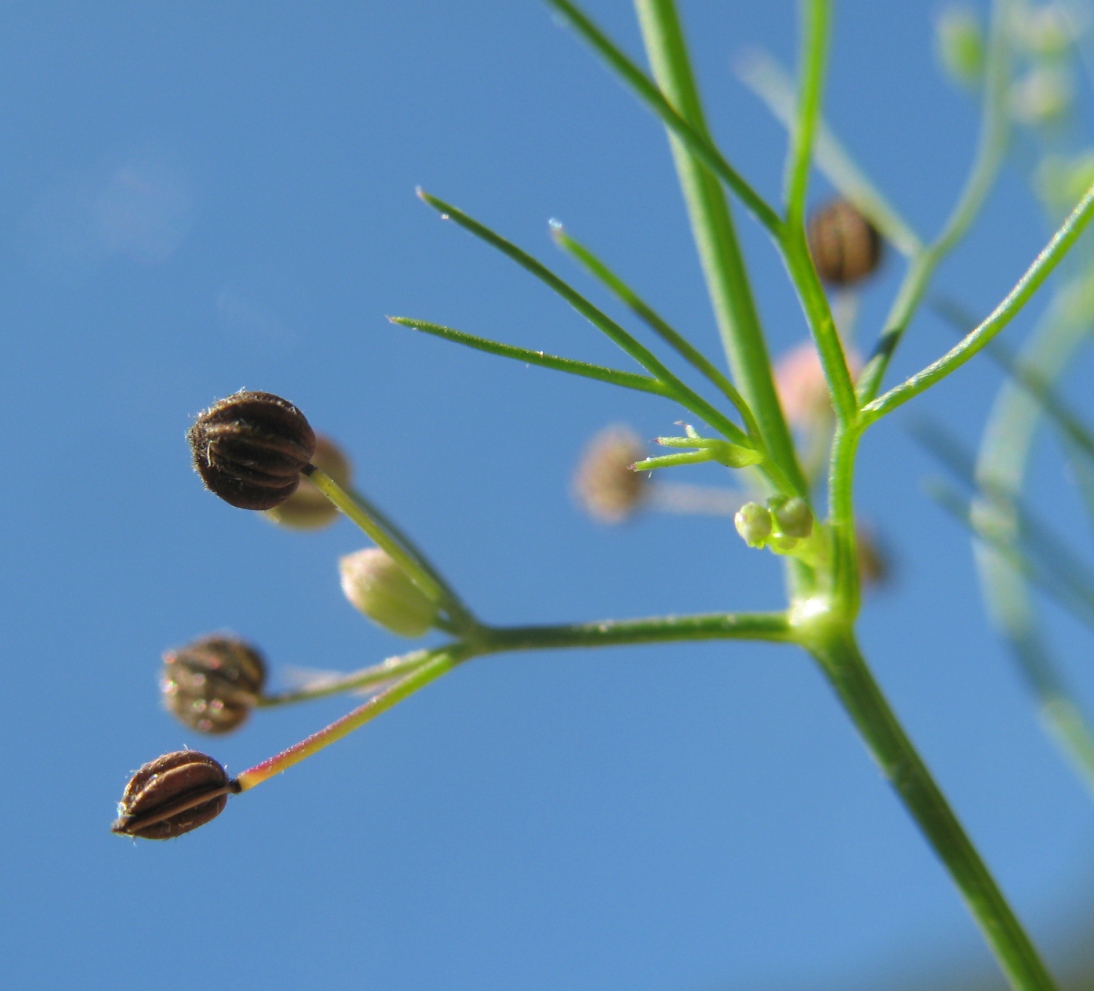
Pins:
x: 172, y: 795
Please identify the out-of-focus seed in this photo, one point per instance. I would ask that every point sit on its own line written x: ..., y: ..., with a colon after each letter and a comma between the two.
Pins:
x: 604, y: 484
x: 212, y: 684
x: 845, y: 246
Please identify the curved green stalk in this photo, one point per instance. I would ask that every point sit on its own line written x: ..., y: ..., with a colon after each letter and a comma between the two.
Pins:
x: 719, y: 252
x: 994, y: 131
x: 1007, y: 310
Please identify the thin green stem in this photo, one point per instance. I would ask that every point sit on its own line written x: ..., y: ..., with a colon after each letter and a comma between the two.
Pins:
x: 994, y: 131
x: 712, y: 224
x: 442, y: 661
x: 371, y: 677
x: 691, y: 354
x: 391, y: 539
x: 1002, y: 315
x: 687, y: 130
x: 768, y: 80
x: 1030, y: 375
x: 816, y: 16
x: 685, y: 396
x: 840, y: 659
x: 613, y: 376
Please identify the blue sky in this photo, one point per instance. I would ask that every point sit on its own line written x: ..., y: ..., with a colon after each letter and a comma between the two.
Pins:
x: 203, y: 197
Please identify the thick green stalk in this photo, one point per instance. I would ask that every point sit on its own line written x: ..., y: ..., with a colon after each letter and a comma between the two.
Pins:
x: 838, y: 654
x: 716, y: 239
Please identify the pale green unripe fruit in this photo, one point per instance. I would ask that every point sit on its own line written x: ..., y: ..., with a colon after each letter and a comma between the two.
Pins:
x: 375, y: 583
x: 753, y: 523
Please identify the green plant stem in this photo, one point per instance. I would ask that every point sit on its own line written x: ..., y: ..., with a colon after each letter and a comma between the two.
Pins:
x: 1007, y: 310
x: 373, y: 676
x: 816, y: 16
x: 772, y: 627
x: 1029, y: 375
x: 719, y: 251
x: 439, y: 663
x: 838, y: 654
x: 994, y: 130
x: 612, y: 633
x: 841, y: 509
x: 765, y: 77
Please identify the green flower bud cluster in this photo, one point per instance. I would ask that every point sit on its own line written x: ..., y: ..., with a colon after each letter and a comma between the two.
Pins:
x: 784, y: 525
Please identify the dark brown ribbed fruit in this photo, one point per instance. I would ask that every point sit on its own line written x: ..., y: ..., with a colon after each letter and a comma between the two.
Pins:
x: 173, y: 794
x: 212, y: 684
x: 845, y: 246
x: 250, y: 448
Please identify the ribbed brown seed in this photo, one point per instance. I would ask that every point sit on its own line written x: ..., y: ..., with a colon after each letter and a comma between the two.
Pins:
x: 173, y: 794
x: 212, y: 684
x: 845, y: 246
x: 249, y: 449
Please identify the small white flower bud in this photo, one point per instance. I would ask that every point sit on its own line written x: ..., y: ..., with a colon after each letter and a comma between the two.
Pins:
x: 959, y: 40
x: 753, y: 523
x: 375, y: 583
x: 1041, y: 97
x: 793, y: 517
